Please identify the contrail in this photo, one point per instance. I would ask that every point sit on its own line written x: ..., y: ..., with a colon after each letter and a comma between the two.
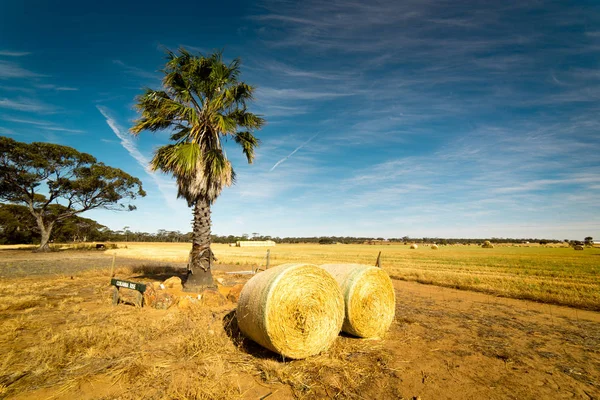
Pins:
x: 166, y: 188
x: 293, y: 152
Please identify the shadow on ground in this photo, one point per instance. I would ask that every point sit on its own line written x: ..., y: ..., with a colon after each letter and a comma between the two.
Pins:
x: 246, y: 345
x: 159, y: 272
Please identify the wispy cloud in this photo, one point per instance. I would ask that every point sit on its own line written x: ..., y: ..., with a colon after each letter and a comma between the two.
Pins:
x: 8, y: 53
x: 7, y: 132
x: 293, y: 152
x: 282, y: 111
x: 139, y: 72
x: 287, y: 70
x: 269, y: 94
x: 10, y: 70
x: 27, y: 105
x: 166, y: 187
x: 45, y: 125
x: 17, y: 89
x: 56, y: 87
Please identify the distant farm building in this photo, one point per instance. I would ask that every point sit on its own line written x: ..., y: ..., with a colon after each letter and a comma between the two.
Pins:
x: 255, y: 243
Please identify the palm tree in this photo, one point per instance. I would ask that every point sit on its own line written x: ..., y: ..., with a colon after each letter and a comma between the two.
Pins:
x: 201, y: 103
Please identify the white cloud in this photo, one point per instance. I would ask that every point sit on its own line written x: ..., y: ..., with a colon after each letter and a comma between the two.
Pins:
x: 8, y: 53
x: 136, y: 71
x: 166, y: 187
x: 26, y: 105
x: 7, y: 132
x: 45, y: 125
x: 56, y: 87
x: 10, y: 70
x: 269, y: 94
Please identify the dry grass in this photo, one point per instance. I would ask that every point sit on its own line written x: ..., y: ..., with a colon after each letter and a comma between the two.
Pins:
x: 62, y: 338
x: 557, y: 275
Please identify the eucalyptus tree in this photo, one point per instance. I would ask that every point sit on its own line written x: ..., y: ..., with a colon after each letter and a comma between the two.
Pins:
x: 57, y: 182
x: 201, y: 104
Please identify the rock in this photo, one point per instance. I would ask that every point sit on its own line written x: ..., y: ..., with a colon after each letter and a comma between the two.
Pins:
x: 150, y: 296
x: 212, y: 298
x: 173, y: 282
x: 130, y: 296
x: 234, y: 293
x: 187, y: 302
x: 164, y: 300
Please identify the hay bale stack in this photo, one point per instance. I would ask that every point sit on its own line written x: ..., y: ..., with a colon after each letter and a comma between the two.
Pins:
x: 434, y: 247
x: 296, y: 310
x: 369, y: 298
x: 414, y: 246
x: 487, y: 245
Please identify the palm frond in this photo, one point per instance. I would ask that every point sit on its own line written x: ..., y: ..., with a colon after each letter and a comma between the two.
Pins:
x: 248, y: 142
x: 201, y: 101
x: 178, y: 159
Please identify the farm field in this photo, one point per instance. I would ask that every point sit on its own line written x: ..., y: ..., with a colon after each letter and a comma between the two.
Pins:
x: 61, y: 338
x: 557, y: 275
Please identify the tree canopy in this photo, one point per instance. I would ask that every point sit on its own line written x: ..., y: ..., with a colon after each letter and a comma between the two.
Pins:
x: 56, y: 182
x: 202, y: 103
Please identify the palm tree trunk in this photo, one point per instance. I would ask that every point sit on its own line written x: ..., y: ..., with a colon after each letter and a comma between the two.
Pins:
x: 201, y: 256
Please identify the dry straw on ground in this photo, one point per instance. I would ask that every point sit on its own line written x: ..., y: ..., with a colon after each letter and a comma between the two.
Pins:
x: 296, y: 310
x: 369, y: 297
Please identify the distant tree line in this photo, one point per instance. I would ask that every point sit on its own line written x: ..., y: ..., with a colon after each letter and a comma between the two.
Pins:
x: 18, y: 226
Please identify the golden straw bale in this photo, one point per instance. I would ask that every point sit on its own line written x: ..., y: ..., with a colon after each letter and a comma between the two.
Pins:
x: 296, y: 310
x: 369, y: 298
x: 434, y: 247
x: 414, y: 246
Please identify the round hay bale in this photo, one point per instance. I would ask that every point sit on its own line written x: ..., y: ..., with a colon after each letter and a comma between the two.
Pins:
x: 487, y: 245
x: 434, y: 247
x: 414, y: 246
x: 296, y: 310
x: 369, y: 298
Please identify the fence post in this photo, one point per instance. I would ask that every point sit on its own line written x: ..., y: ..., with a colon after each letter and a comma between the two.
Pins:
x: 112, y: 266
x: 268, y: 258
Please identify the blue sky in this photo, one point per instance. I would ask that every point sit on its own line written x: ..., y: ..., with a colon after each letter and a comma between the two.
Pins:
x: 385, y: 118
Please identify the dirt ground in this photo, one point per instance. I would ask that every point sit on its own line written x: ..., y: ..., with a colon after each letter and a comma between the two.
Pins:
x: 444, y: 344
x: 457, y: 344
x: 24, y: 263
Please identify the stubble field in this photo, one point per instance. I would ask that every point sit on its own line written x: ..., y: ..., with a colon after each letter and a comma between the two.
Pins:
x: 60, y: 337
x: 557, y: 275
